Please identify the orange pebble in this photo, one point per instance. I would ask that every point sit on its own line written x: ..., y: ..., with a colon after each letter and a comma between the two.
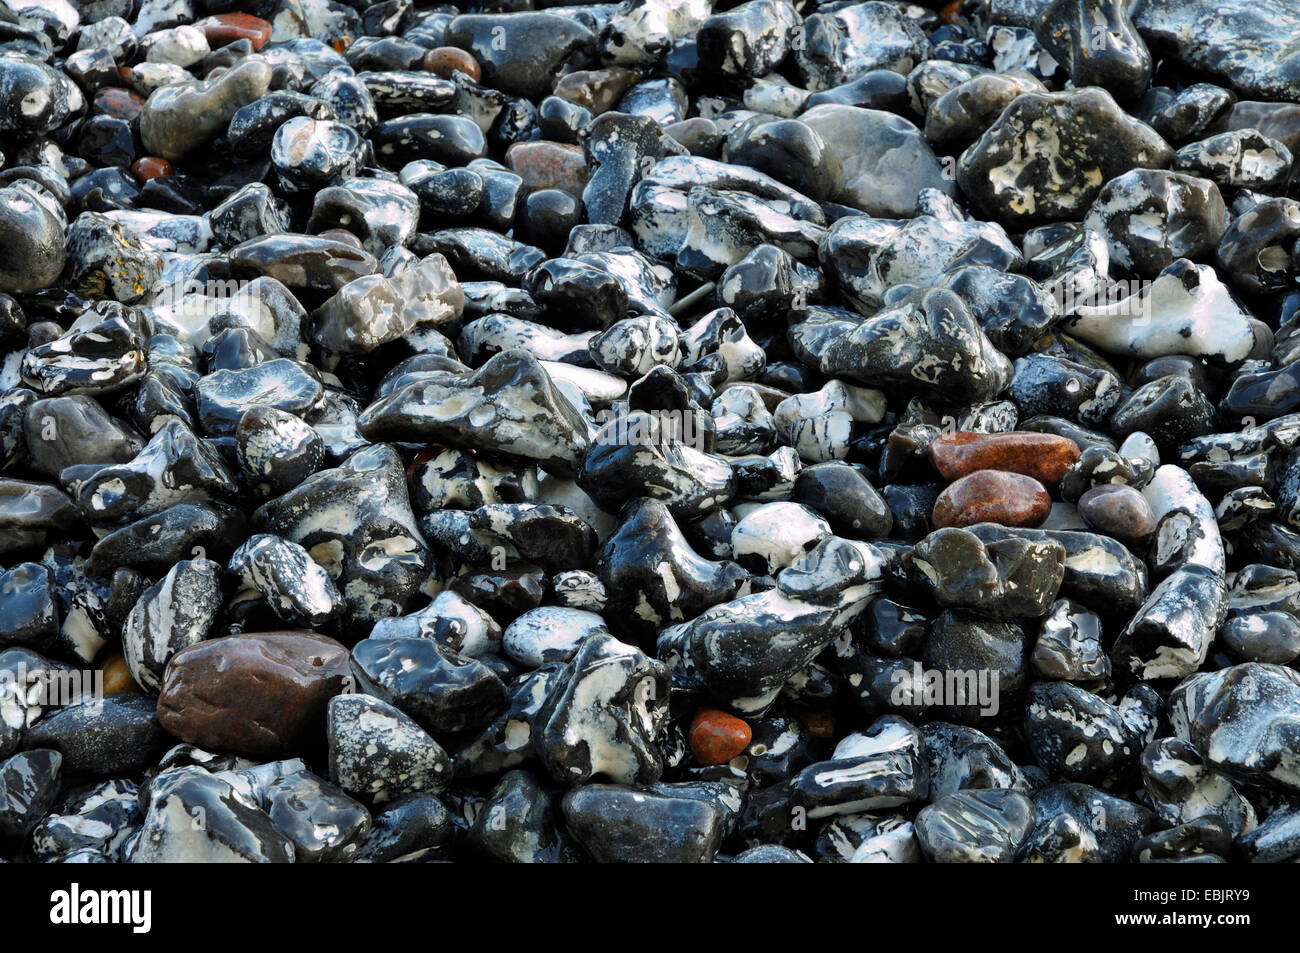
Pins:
x: 151, y: 167
x: 717, y: 737
x: 228, y: 27
x: 445, y: 60
x: 117, y: 677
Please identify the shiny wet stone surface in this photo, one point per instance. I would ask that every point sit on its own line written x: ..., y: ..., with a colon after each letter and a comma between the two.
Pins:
x: 662, y: 431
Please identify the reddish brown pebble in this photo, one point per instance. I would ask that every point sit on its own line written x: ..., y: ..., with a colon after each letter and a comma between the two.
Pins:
x: 549, y: 165
x: 992, y: 496
x: 228, y: 27
x: 1043, y: 456
x: 151, y: 167
x: 341, y: 235
x: 597, y: 90
x: 118, y: 102
x: 117, y: 676
x: 717, y: 737
x: 445, y: 60
x: 263, y: 693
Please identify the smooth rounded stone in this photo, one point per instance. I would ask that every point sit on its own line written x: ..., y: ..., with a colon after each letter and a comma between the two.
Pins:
x: 508, y: 406
x: 842, y: 494
x: 961, y: 115
x: 383, y: 214
x: 1244, y: 726
x: 1262, y: 637
x: 633, y: 347
x: 716, y: 737
x: 880, y: 767
x: 1078, y: 736
x: 549, y: 165
x: 555, y: 537
x: 28, y: 612
x: 1239, y: 159
x: 450, y: 619
x: 234, y: 830
x: 774, y: 535
x: 155, y: 543
x: 377, y: 753
x: 930, y: 346
x: 731, y: 649
x: 310, y: 153
x: 30, y: 513
x: 653, y: 576
x: 846, y: 44
x: 580, y: 589
x: 375, y: 309
x: 1014, y: 311
x: 1150, y: 217
x: 1186, y: 533
x: 748, y: 40
x: 29, y: 786
x: 521, y: 53
x: 452, y: 140
x: 1069, y: 645
x: 1258, y: 247
x: 1096, y: 43
x: 303, y: 262
x: 35, y: 98
x: 443, y: 691
x: 284, y: 576
x: 250, y: 212
x: 602, y: 717
x: 1044, y: 384
x: 1091, y: 135
x: 453, y: 478
x: 225, y: 396
x: 519, y: 822
x: 1078, y: 823
x: 964, y: 758
x: 1043, y: 457
x: 356, y: 521
x: 412, y: 829
x: 176, y: 612
x: 276, y: 450
x: 1184, y: 115
x: 617, y: 148
x: 225, y: 28
x: 261, y: 693
x: 1276, y: 840
x: 819, y: 425
x: 1119, y: 511
x: 183, y: 45
x: 743, y: 423
x: 1245, y: 45
x: 102, y: 351
x: 1183, y: 790
x: 637, y: 455
x: 1007, y: 578
x: 786, y: 149
x: 549, y: 634
x: 992, y: 496
x: 975, y: 826
x: 876, y: 161
x: 1262, y: 393
x: 180, y: 118
x: 31, y: 235
x: 1170, y: 635
x: 97, y: 817
x: 628, y: 825
x: 324, y: 824
x: 1186, y: 310
x: 69, y: 431
x: 116, y: 736
x: 585, y: 295
x: 1204, y: 838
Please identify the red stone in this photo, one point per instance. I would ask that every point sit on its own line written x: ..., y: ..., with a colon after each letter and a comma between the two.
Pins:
x: 597, y: 90
x: 992, y: 496
x: 1043, y: 456
x: 151, y: 167
x: 820, y: 724
x: 549, y: 165
x: 119, y: 103
x: 717, y: 737
x: 228, y: 27
x: 263, y: 693
x: 445, y: 60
